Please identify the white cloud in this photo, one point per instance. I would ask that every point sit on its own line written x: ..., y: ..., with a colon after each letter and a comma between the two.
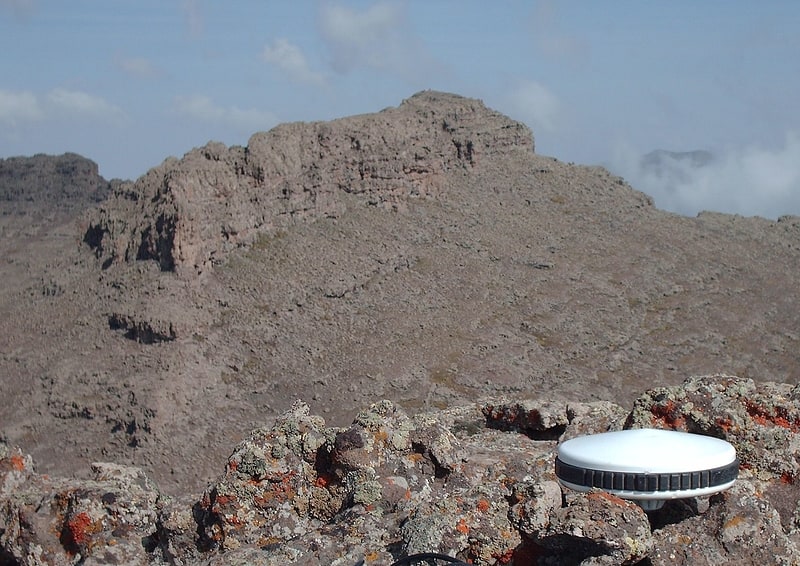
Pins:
x: 752, y: 181
x: 19, y: 107
x: 203, y: 108
x: 137, y: 67
x: 73, y: 102
x: 349, y: 28
x: 16, y: 107
x: 535, y: 105
x: 290, y: 59
x: 376, y: 38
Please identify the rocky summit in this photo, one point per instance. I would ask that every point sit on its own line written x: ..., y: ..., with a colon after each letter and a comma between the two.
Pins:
x: 266, y: 299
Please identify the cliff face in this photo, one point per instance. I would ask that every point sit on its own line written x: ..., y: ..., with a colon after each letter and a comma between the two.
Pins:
x: 474, y: 482
x: 186, y: 213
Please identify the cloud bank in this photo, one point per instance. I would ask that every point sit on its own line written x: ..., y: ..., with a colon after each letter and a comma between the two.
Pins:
x: 751, y: 181
x: 377, y: 38
x: 203, y: 108
x: 17, y: 107
x: 535, y: 105
x: 73, y: 102
x: 290, y: 59
x: 20, y: 107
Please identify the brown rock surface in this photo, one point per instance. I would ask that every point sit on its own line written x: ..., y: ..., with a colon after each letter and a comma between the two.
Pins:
x: 423, y: 254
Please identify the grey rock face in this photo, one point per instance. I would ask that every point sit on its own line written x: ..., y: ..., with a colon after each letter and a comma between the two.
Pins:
x: 185, y: 214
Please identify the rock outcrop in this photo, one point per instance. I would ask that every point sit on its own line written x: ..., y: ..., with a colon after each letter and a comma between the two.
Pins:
x: 55, y: 183
x: 185, y: 214
x: 476, y: 482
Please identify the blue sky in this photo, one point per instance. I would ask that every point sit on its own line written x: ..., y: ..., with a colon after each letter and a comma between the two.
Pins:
x: 128, y: 83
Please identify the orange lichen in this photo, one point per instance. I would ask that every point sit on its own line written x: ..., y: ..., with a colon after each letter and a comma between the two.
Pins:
x: 79, y: 528
x: 280, y: 490
x: 597, y: 495
x: 725, y: 423
x: 17, y: 462
x: 504, y: 558
x: 483, y: 505
x: 77, y: 532
x: 733, y: 521
x: 224, y: 499
x: 778, y: 417
x: 269, y: 541
x: 234, y: 521
x: 667, y: 414
x: 371, y: 556
x: 415, y: 457
x: 462, y: 527
x: 323, y: 480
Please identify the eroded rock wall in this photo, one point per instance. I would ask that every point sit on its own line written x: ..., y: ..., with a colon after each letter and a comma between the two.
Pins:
x: 186, y: 213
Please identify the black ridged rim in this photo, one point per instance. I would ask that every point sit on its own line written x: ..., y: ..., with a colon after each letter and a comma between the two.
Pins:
x: 627, y: 481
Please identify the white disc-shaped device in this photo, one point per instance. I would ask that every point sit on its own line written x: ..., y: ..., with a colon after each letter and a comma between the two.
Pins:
x: 648, y: 465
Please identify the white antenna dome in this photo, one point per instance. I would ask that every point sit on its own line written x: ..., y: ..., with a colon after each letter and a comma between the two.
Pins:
x: 648, y: 466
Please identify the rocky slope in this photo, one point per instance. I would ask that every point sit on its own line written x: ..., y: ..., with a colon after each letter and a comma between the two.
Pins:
x: 424, y: 254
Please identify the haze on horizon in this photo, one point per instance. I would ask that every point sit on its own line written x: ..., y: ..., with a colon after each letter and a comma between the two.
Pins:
x: 128, y: 84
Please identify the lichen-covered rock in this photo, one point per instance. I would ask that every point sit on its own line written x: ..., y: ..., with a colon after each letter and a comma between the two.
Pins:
x: 761, y: 420
x: 475, y: 482
x: 535, y: 418
x: 271, y: 490
x: 740, y: 527
x: 110, y: 519
x: 597, y: 528
x: 593, y: 418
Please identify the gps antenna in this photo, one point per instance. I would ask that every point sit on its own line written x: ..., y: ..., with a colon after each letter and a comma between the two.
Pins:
x: 648, y: 466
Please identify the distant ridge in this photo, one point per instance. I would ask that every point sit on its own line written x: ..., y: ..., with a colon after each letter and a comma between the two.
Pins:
x: 55, y: 182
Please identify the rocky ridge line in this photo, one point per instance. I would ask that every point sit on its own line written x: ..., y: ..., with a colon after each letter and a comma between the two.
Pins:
x: 67, y: 182
x: 185, y: 214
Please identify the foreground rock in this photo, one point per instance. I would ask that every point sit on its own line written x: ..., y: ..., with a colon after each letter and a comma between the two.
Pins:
x: 475, y: 482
